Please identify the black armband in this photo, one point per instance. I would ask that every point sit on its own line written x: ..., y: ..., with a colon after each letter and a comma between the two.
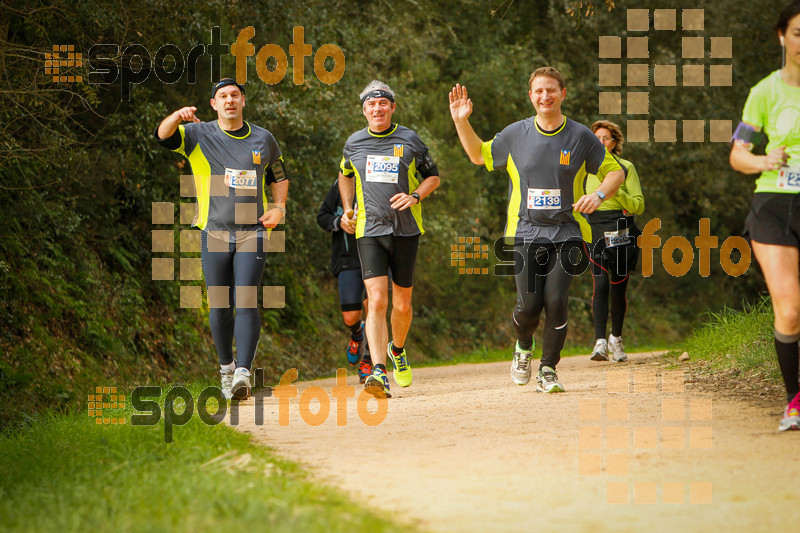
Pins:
x: 276, y: 172
x: 427, y: 167
x: 747, y: 134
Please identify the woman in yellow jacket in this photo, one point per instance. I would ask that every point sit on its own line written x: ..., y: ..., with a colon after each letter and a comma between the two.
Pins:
x: 613, y: 251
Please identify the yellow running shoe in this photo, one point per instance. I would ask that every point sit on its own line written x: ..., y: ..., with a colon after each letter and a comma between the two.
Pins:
x: 402, y: 370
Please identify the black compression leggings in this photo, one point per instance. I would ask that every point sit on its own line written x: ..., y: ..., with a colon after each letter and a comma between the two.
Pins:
x: 237, y: 270
x: 617, y: 289
x: 543, y: 285
x: 611, y: 269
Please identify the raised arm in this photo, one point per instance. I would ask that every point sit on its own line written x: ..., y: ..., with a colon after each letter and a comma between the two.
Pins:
x: 460, y: 110
x: 170, y: 124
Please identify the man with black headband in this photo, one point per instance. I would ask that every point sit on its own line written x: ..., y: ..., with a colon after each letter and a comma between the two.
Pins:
x: 389, y: 171
x: 232, y: 162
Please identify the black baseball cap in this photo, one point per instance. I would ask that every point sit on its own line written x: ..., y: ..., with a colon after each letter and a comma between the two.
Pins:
x: 224, y: 82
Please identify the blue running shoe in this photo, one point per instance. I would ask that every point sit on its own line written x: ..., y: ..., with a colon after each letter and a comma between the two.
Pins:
x: 365, y: 368
x: 377, y: 384
x: 354, y: 350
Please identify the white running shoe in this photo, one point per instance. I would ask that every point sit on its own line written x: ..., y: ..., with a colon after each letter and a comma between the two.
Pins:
x: 617, y: 349
x: 240, y: 388
x: 521, y: 366
x: 227, y: 383
x: 547, y: 381
x: 600, y: 351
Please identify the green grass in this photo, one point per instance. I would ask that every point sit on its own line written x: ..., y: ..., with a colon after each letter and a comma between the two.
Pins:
x: 66, y: 473
x: 741, y: 339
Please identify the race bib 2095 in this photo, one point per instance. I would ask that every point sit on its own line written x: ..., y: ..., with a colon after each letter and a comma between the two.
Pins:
x: 383, y: 168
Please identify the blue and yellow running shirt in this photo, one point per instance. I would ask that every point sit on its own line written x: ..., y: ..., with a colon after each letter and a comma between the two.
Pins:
x: 231, y: 171
x: 774, y: 107
x: 384, y: 165
x: 544, y: 168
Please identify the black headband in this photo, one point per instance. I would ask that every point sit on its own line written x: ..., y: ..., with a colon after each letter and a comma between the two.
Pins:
x: 224, y: 82
x: 377, y: 93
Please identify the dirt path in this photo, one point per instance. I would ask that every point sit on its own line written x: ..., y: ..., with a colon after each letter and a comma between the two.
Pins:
x: 464, y: 449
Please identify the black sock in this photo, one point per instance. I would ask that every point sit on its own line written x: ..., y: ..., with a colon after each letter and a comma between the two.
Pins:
x: 397, y: 350
x: 356, y: 331
x: 788, y: 361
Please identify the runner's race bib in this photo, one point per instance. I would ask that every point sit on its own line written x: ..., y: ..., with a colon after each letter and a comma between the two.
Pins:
x: 241, y: 179
x: 617, y: 238
x: 383, y: 168
x: 544, y: 198
x: 789, y: 178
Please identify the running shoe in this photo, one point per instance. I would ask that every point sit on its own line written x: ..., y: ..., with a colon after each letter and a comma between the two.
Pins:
x: 521, y: 366
x: 791, y: 416
x: 240, y: 388
x: 365, y: 368
x: 354, y: 351
x: 402, y: 370
x: 617, y: 349
x: 227, y: 383
x: 600, y: 351
x: 547, y: 381
x: 377, y: 384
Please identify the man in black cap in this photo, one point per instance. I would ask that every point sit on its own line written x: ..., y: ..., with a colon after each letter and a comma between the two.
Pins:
x: 232, y: 162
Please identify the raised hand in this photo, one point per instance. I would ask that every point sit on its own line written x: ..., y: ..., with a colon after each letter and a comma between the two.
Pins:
x: 460, y: 104
x: 186, y: 114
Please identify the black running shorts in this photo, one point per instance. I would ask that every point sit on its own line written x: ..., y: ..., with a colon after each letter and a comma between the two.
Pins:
x: 379, y: 254
x: 774, y: 218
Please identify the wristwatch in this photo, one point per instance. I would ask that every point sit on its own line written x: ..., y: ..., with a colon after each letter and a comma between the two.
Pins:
x: 600, y: 194
x: 416, y: 195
